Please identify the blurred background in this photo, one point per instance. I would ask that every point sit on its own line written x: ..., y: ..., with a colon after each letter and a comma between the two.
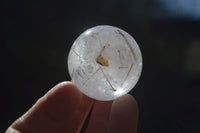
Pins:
x: 37, y: 36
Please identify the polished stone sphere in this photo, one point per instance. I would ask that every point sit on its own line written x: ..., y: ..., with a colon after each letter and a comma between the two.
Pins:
x: 105, y: 62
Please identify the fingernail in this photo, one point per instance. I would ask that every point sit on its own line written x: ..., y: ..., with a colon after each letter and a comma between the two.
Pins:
x: 11, y: 130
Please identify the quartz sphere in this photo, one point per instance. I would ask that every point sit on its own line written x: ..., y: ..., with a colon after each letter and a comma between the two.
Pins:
x: 105, y: 62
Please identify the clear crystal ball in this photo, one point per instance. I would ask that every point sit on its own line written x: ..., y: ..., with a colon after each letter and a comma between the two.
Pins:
x: 105, y: 62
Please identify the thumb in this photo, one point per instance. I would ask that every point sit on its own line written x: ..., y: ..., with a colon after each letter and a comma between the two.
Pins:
x: 50, y: 111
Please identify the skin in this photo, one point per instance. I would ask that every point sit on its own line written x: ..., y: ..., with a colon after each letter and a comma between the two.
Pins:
x: 64, y: 109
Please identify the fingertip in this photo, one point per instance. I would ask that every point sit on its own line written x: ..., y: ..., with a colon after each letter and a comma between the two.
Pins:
x: 61, y: 100
x: 124, y: 115
x: 50, y: 111
x: 130, y: 100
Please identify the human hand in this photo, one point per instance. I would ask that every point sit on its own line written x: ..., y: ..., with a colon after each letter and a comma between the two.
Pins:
x: 64, y: 109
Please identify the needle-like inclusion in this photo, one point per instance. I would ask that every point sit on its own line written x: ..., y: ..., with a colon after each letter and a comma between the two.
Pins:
x: 105, y: 62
